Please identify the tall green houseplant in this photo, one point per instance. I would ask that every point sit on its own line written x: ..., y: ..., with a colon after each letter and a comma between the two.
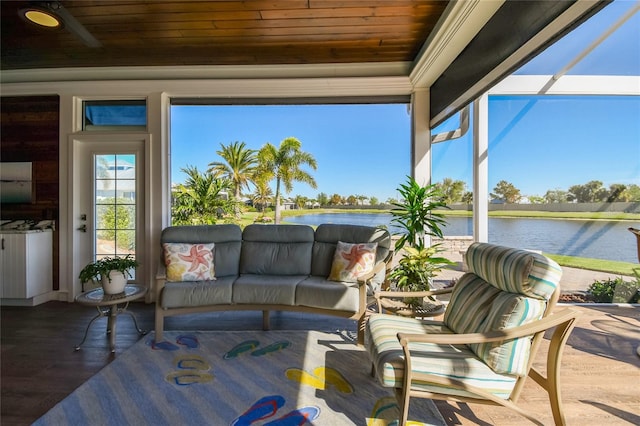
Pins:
x: 417, y: 216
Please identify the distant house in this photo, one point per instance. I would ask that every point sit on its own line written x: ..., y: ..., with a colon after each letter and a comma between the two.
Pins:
x: 288, y: 205
x: 116, y: 180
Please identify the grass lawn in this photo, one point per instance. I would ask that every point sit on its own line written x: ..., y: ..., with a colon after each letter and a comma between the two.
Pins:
x: 618, y: 268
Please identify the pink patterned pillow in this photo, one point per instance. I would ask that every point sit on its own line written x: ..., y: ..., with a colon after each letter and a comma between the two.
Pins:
x: 189, y: 262
x: 352, y: 261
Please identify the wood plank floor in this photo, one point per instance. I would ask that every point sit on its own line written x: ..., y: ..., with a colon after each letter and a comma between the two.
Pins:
x: 39, y: 367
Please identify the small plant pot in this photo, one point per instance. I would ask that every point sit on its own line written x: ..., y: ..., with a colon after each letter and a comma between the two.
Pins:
x: 116, y: 284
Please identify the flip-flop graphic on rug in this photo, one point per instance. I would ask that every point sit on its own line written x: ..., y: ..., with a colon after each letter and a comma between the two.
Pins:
x: 191, y: 362
x: 188, y: 377
x: 274, y: 347
x: 192, y: 369
x: 297, y: 417
x: 164, y: 345
x: 260, y: 410
x: 321, y: 378
x: 241, y: 348
x: 386, y: 412
x: 188, y: 340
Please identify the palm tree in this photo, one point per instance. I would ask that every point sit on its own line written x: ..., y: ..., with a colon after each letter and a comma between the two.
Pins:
x: 198, y: 200
x: 239, y: 166
x: 262, y: 195
x: 301, y: 201
x: 284, y: 164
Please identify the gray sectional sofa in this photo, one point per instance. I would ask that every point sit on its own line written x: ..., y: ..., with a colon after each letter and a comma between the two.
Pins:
x: 272, y: 268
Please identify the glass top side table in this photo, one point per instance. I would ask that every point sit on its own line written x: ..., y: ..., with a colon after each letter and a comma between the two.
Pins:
x: 110, y: 306
x: 426, y: 310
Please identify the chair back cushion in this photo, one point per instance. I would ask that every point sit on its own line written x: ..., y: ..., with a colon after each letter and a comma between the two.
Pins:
x: 521, y: 284
x: 514, y: 270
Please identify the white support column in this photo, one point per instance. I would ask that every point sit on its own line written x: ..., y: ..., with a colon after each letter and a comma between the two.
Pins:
x: 421, y: 137
x: 481, y: 169
x: 157, y: 184
x: 421, y: 141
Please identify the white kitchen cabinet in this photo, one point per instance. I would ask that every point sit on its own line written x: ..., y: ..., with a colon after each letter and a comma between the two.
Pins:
x: 26, y: 263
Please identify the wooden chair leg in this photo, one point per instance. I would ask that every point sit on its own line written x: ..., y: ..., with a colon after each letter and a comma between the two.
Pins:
x: 403, y: 404
x: 159, y: 326
x: 362, y: 322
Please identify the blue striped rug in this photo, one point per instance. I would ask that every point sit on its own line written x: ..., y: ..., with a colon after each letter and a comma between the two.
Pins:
x: 238, y: 378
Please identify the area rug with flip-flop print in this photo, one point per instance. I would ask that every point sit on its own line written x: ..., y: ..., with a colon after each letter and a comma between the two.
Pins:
x: 238, y: 378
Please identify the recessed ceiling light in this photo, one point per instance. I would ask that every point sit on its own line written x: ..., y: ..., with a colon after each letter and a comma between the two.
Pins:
x: 52, y: 15
x: 41, y: 15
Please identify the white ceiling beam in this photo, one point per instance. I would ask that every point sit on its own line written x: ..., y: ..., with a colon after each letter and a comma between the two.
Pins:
x: 568, y: 85
x: 232, y: 88
x: 390, y: 69
x: 462, y: 22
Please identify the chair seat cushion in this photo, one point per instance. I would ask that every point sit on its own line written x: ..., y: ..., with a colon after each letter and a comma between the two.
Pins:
x: 197, y: 293
x: 318, y: 292
x: 255, y: 289
x: 453, y: 361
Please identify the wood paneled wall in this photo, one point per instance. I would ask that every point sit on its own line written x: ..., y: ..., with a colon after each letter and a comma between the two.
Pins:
x: 29, y: 131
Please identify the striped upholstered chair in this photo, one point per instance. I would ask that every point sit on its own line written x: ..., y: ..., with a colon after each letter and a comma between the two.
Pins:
x: 483, y: 349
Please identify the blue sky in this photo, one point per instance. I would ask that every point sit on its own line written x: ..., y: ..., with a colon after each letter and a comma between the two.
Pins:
x: 554, y: 142
x: 360, y: 149
x: 536, y: 143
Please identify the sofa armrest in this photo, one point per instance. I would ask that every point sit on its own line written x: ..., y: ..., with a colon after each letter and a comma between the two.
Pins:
x: 161, y: 279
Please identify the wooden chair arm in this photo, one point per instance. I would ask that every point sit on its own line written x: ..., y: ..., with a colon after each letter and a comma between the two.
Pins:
x: 376, y: 269
x: 555, y: 319
x: 379, y: 295
x: 408, y: 294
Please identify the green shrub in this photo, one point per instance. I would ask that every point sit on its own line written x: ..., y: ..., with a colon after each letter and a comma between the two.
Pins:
x: 615, y: 291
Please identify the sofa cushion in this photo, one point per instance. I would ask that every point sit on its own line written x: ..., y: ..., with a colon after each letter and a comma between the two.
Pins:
x: 226, y: 237
x: 318, y: 292
x: 514, y: 270
x: 454, y: 361
x: 352, y: 261
x: 199, y: 293
x: 266, y: 289
x: 189, y: 262
x: 276, y: 250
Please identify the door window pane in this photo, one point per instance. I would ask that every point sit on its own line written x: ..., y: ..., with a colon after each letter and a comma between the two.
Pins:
x: 115, y: 195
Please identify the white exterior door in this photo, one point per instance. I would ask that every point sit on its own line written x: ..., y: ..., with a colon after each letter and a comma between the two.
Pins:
x: 108, y: 201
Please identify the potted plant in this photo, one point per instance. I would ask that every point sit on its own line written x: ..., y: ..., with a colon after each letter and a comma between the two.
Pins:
x: 415, y: 215
x: 111, y: 272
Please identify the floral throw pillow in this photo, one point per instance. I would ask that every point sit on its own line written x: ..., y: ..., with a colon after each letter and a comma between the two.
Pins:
x: 189, y: 262
x: 352, y: 261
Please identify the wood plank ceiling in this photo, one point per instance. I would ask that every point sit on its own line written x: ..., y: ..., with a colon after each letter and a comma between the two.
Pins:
x: 251, y: 32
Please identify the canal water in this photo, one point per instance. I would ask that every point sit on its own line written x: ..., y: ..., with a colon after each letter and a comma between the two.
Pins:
x: 608, y: 240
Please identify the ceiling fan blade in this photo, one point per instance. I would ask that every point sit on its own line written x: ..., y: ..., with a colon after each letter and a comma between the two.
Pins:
x: 77, y: 28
